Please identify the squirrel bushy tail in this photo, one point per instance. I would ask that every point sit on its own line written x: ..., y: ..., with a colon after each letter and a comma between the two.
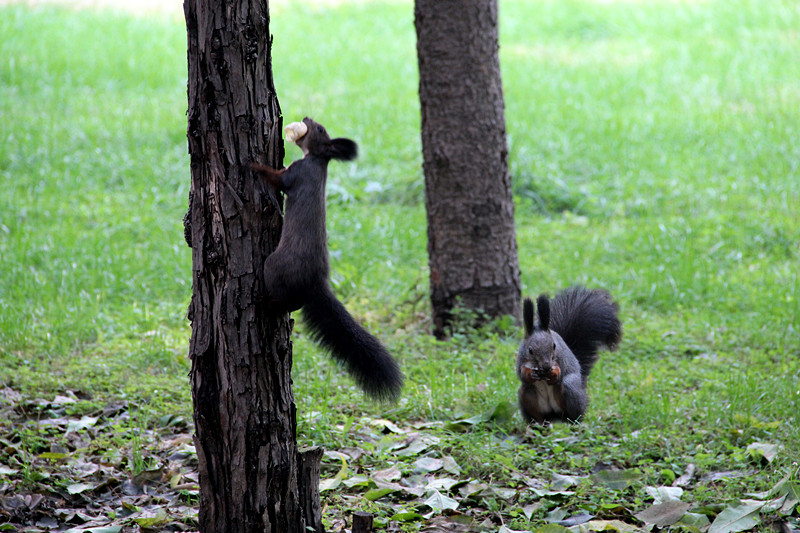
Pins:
x: 587, y: 321
x: 361, y: 354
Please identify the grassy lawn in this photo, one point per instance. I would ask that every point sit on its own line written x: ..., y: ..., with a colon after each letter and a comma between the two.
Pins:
x: 654, y: 150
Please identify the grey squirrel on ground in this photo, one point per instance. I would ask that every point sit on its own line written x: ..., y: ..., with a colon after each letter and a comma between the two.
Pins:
x: 296, y: 273
x: 557, y: 355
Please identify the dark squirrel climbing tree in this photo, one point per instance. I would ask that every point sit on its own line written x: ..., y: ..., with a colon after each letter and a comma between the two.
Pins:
x: 251, y: 475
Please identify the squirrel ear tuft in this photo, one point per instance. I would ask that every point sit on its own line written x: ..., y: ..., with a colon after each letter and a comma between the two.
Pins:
x: 543, y: 306
x: 343, y: 149
x: 527, y: 316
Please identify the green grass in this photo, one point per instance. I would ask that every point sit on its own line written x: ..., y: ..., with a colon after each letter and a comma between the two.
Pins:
x: 654, y: 153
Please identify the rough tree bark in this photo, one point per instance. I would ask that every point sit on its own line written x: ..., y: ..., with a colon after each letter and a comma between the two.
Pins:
x: 472, y: 246
x: 244, y: 409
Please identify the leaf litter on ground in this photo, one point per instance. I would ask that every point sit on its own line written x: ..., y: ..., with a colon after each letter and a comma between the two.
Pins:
x: 67, y: 472
x: 67, y: 467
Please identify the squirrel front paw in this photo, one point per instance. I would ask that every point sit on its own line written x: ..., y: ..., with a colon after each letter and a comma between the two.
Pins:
x: 529, y: 373
x: 555, y: 375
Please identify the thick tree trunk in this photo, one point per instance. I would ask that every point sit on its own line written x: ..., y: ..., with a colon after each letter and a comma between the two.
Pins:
x: 244, y: 409
x: 472, y: 246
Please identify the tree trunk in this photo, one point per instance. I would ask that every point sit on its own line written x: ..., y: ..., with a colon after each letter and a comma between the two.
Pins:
x: 244, y: 409
x: 472, y: 246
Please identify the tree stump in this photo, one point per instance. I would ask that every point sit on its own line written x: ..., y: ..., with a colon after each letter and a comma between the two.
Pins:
x: 308, y: 460
x: 362, y: 522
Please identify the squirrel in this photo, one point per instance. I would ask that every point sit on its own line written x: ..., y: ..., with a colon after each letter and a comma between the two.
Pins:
x: 296, y: 274
x: 557, y: 355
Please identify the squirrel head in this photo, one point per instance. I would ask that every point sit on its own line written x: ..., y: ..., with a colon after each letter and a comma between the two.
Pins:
x: 536, y: 359
x: 312, y: 139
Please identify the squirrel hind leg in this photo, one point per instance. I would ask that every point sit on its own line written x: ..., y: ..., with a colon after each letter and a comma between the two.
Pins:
x: 529, y: 406
x: 279, y: 294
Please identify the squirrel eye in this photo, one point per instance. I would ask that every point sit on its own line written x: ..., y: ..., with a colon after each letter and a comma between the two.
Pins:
x: 319, y: 129
x: 530, y: 349
x: 554, y: 345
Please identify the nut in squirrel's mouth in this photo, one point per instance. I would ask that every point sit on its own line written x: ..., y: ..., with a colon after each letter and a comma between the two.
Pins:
x: 295, y: 131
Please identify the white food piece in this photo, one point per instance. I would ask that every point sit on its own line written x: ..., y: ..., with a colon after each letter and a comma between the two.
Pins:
x: 295, y: 131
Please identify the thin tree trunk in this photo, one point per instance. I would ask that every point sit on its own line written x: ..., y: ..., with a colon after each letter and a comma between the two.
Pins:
x: 472, y: 245
x: 244, y: 409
